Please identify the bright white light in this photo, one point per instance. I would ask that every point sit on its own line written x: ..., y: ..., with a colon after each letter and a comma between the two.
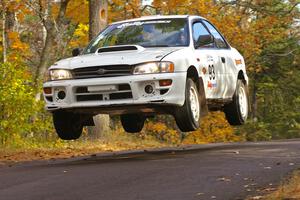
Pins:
x: 146, y: 2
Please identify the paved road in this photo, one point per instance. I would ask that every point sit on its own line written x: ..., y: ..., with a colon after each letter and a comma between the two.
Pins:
x: 219, y: 171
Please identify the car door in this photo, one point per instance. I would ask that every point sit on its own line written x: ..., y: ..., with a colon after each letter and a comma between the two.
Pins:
x: 225, y: 64
x: 208, y: 59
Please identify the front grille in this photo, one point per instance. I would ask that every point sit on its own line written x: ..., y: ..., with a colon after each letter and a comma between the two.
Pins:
x: 123, y: 92
x: 103, y: 71
x: 117, y: 96
x: 94, y: 97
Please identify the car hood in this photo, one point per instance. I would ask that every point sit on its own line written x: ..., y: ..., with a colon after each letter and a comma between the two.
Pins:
x: 116, y: 58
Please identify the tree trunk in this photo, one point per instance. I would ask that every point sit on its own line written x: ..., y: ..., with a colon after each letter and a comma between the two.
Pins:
x: 51, y: 29
x: 45, y: 57
x: 101, y: 128
x: 98, y: 17
x: 4, y: 37
x: 98, y: 21
x: 8, y: 22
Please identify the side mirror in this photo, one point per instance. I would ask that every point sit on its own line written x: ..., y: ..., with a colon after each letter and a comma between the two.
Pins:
x: 204, y: 40
x: 76, y: 52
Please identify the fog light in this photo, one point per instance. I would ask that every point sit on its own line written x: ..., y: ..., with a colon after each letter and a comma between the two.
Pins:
x: 47, y: 90
x: 149, y: 89
x: 167, y: 82
x: 61, y: 95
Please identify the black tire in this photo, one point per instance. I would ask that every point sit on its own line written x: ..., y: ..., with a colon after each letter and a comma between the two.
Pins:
x: 133, y: 123
x: 68, y: 125
x: 233, y: 111
x: 185, y: 119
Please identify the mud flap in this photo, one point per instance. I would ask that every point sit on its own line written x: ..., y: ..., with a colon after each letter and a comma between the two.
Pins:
x: 204, y: 107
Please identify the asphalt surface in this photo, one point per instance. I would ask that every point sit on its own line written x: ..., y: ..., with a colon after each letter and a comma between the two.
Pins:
x: 218, y: 171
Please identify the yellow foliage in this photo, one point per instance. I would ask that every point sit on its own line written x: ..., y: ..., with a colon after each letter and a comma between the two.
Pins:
x: 80, y: 38
x: 214, y: 128
x: 162, y: 132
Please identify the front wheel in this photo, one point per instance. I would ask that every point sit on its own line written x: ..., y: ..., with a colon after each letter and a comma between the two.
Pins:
x: 188, y: 116
x: 133, y: 123
x: 237, y: 111
x: 68, y: 125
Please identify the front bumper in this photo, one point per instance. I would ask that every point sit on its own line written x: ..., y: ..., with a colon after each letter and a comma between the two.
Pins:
x: 118, y: 92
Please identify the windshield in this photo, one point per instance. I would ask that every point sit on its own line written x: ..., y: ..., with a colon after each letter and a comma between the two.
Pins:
x: 151, y: 33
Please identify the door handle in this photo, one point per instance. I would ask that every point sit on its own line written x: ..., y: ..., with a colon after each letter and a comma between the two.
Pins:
x: 223, y: 59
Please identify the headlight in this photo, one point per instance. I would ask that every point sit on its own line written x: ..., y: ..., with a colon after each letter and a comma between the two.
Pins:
x: 154, y: 67
x: 58, y: 74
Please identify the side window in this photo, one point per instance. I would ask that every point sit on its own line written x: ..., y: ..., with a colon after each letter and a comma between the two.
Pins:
x: 198, y: 31
x: 218, y: 38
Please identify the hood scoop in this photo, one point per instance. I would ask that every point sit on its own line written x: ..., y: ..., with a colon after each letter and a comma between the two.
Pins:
x: 119, y: 48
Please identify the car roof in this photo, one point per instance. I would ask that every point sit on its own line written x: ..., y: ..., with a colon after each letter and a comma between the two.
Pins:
x: 155, y: 17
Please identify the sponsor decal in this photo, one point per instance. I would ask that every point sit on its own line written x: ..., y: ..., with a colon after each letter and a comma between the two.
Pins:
x: 211, y: 84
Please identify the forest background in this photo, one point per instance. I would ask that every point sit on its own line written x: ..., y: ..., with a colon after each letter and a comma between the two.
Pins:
x: 36, y: 33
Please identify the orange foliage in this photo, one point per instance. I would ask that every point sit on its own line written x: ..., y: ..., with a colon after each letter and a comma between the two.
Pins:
x: 17, y: 47
x: 78, y: 11
x: 214, y: 128
x: 162, y: 132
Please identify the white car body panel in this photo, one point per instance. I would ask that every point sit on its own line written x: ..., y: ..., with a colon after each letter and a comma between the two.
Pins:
x: 174, y: 96
x: 115, y: 58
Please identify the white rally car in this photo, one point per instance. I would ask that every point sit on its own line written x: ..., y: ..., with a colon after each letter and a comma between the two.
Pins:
x: 178, y: 65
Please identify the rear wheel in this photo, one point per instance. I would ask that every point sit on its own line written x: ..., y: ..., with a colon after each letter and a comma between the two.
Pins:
x: 68, y: 125
x: 133, y: 123
x: 237, y: 111
x: 188, y: 116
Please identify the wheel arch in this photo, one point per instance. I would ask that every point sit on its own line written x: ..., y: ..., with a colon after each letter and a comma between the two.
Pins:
x: 241, y: 76
x: 244, y: 79
x: 193, y: 73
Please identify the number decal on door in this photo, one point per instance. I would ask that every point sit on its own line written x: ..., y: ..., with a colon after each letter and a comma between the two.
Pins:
x: 211, y: 71
x: 212, y: 83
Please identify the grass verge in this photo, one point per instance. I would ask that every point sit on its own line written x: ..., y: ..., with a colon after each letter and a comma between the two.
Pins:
x: 46, y: 150
x: 288, y: 190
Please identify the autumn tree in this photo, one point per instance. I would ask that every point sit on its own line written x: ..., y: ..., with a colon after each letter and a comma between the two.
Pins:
x: 37, y: 33
x: 98, y: 11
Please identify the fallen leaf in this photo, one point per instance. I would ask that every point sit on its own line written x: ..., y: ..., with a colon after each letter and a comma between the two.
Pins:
x: 269, y: 189
x: 257, y: 197
x: 291, y: 164
x: 224, y: 179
